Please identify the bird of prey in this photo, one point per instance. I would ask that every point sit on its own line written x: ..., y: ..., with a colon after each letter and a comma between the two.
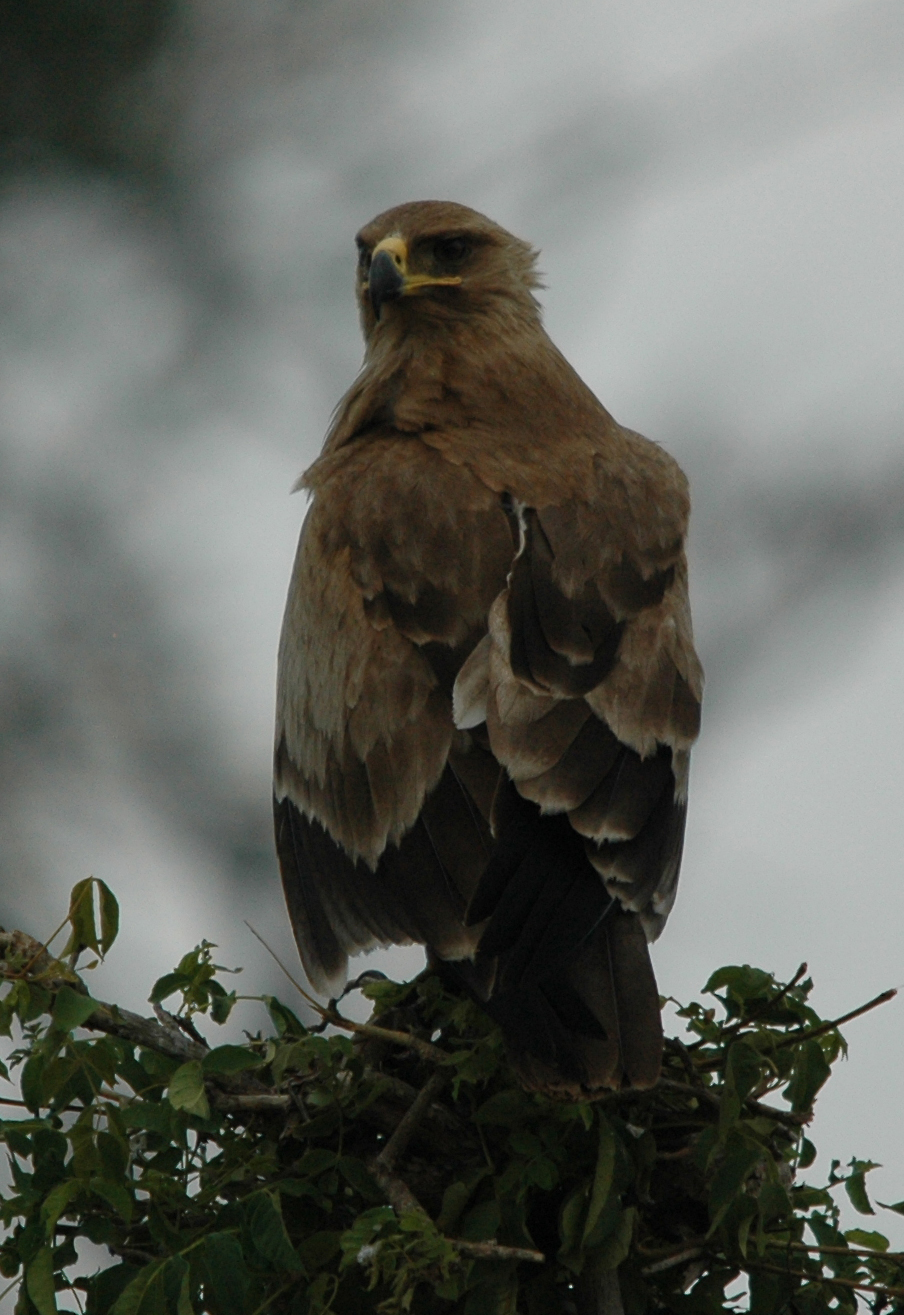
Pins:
x: 487, y: 686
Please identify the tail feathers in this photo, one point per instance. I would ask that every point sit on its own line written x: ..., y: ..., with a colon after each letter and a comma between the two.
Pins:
x: 572, y: 984
x: 593, y: 1026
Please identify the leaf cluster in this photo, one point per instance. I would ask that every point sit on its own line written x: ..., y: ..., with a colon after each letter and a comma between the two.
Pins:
x: 272, y: 1175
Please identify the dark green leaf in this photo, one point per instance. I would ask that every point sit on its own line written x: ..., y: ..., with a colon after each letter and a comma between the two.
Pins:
x: 39, y: 1282
x: 81, y: 918
x: 286, y: 1023
x: 221, y: 1006
x: 807, y: 1154
x: 603, y: 1174
x: 55, y: 1203
x: 506, y: 1107
x: 318, y: 1249
x: 617, y: 1245
x: 861, y: 1237
x: 855, y: 1186
x: 482, y: 1223
x: 186, y: 1090
x: 357, y: 1176
x: 265, y: 1224
x: 165, y: 986
x: 730, y: 1177
x: 221, y: 1266
x: 109, y: 916
x: 71, y: 1008
x: 115, y: 1194
x: 810, y: 1072
x: 230, y: 1059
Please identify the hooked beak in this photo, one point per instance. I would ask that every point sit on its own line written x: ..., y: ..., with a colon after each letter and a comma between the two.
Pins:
x: 389, y: 278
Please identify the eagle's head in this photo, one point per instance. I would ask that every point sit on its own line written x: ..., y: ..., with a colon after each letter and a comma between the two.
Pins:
x: 436, y: 260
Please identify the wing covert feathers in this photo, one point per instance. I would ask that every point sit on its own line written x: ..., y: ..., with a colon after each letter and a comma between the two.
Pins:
x: 488, y: 688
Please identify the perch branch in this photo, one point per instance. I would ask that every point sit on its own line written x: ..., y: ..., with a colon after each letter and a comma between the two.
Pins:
x: 755, y: 1106
x: 851, y: 1283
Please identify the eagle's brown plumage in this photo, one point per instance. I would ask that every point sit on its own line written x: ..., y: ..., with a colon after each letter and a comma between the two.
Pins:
x: 487, y: 681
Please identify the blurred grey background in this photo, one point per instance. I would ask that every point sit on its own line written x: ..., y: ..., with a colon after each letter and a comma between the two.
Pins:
x: 717, y: 188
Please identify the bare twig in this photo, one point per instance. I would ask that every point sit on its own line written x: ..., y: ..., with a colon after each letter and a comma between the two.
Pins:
x: 257, y: 1102
x: 796, y: 1037
x: 331, y: 1015
x: 669, y: 1262
x: 851, y: 1283
x: 495, y: 1251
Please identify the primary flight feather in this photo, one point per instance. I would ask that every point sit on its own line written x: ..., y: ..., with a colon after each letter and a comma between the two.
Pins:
x: 487, y: 687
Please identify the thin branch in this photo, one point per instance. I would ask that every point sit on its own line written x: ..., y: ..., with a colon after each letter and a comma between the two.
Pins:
x: 331, y: 1015
x: 495, y: 1251
x: 839, y: 1251
x: 395, y: 1148
x: 851, y: 1283
x: 796, y: 1037
x: 678, y: 1258
x: 257, y: 1102
x: 730, y: 1032
x: 756, y: 1107
x: 397, y: 1193
x: 403, y: 1201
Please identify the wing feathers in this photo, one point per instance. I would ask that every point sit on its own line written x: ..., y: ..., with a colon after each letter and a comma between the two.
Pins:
x: 579, y: 771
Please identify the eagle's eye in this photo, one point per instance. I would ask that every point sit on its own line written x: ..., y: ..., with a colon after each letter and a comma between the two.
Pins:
x: 363, y: 258
x: 451, y: 250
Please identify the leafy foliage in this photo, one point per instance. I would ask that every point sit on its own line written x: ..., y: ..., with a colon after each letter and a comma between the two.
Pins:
x: 270, y: 1176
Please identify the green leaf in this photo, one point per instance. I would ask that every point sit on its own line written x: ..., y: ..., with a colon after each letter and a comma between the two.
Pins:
x: 221, y: 1006
x: 811, y: 1069
x: 603, y: 1174
x: 230, y: 1059
x: 183, y: 1301
x: 165, y: 986
x: 39, y: 1282
x: 855, y: 1186
x: 144, y: 1295
x: 807, y: 1153
x: 265, y: 1224
x: 221, y: 1266
x: 482, y: 1223
x: 186, y: 1090
x: 109, y: 916
x: 356, y: 1174
x: 55, y: 1203
x: 318, y: 1249
x: 861, y: 1237
x: 115, y: 1194
x: 286, y: 1023
x: 71, y: 1008
x: 81, y: 919
x: 506, y: 1107
x: 617, y: 1245
x: 455, y: 1198
x: 743, y: 1069
x: 730, y: 1177
x: 570, y: 1230
x: 31, y: 1081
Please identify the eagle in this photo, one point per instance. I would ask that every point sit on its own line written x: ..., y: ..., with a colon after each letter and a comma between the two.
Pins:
x: 487, y: 687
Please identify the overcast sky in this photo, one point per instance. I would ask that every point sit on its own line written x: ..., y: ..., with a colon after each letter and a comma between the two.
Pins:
x: 717, y: 189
